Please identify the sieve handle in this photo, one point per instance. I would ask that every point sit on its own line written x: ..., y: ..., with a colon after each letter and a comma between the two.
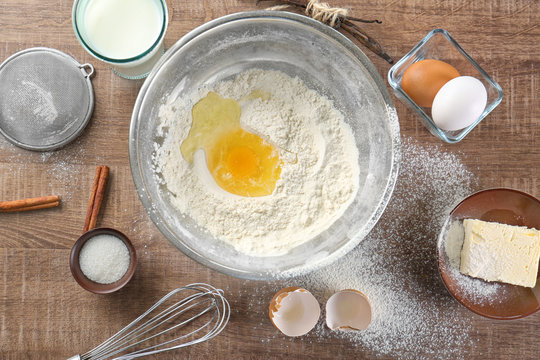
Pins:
x: 75, y: 357
x: 88, y: 69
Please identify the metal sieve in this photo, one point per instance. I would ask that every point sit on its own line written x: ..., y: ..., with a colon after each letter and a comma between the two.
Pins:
x: 46, y: 98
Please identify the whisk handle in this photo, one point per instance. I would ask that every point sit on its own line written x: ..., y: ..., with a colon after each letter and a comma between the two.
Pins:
x: 75, y: 357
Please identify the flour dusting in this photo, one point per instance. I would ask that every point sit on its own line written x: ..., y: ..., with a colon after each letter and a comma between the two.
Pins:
x: 44, y: 108
x: 395, y: 266
x: 319, y: 173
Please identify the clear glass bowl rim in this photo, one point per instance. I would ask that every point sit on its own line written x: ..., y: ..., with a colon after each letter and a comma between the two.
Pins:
x: 139, y: 179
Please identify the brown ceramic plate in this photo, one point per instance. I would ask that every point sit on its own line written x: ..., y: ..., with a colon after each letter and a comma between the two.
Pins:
x: 493, y: 300
x: 90, y: 285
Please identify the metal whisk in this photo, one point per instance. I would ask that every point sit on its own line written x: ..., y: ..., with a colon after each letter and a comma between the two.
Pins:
x: 201, y: 310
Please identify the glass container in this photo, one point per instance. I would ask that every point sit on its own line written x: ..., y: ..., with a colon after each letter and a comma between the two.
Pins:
x: 439, y: 45
x: 134, y: 67
x: 298, y: 46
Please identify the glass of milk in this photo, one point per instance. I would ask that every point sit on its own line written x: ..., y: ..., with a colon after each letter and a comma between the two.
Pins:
x: 127, y: 34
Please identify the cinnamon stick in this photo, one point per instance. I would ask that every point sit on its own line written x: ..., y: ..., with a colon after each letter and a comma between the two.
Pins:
x: 35, y: 207
x: 92, y: 199
x: 42, y: 202
x: 96, y: 197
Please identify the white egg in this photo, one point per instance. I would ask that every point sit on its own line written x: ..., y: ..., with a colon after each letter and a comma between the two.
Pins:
x: 459, y: 103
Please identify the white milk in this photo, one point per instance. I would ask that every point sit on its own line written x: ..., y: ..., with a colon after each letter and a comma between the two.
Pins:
x: 122, y: 29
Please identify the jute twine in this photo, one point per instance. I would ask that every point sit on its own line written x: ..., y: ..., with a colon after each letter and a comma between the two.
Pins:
x: 320, y: 11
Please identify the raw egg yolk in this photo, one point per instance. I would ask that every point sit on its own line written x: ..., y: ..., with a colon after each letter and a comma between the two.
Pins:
x: 423, y: 79
x: 240, y: 162
x: 243, y: 163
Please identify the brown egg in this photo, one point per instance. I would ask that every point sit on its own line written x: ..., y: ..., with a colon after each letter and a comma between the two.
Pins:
x: 423, y: 79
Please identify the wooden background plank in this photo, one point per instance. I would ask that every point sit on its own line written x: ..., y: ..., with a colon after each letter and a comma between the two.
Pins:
x: 44, y: 314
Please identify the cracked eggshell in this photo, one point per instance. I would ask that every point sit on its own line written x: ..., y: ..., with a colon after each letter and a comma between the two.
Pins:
x: 348, y: 310
x: 294, y: 311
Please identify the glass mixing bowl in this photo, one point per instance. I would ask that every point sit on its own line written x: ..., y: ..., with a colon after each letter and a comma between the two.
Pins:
x: 298, y: 46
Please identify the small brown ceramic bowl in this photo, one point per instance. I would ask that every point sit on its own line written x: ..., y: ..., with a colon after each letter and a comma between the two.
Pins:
x: 496, y: 300
x: 93, y: 286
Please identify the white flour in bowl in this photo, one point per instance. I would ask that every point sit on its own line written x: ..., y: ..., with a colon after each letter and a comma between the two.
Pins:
x: 319, y: 174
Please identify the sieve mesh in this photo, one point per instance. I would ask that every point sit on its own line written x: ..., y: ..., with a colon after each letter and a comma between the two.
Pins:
x: 46, y: 98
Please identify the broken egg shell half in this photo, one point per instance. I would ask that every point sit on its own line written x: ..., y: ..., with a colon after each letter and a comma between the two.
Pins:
x: 348, y: 309
x: 294, y: 311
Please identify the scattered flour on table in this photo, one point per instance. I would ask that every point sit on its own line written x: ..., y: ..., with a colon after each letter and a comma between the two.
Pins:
x: 63, y: 170
x: 396, y: 267
x: 310, y: 195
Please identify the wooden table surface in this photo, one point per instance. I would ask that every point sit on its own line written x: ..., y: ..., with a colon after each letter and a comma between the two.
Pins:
x: 44, y: 314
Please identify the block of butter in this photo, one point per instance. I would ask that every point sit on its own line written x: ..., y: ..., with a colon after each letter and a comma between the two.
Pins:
x: 498, y: 252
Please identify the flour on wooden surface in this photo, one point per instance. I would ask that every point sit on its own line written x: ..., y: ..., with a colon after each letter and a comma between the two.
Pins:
x: 317, y: 183
x: 395, y: 266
